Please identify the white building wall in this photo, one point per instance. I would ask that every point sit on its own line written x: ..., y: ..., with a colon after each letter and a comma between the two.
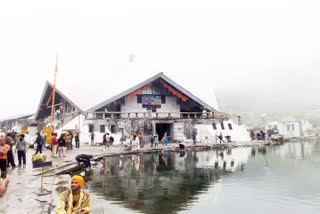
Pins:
x: 82, y: 125
x: 287, y: 129
x: 132, y: 106
x: 75, y: 123
x: 276, y: 125
x: 238, y: 133
x: 292, y: 129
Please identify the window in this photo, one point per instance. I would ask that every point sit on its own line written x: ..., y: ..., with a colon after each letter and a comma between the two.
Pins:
x: 230, y: 126
x: 102, y: 128
x: 139, y: 99
x: 222, y: 126
x: 113, y: 128
x: 288, y: 127
x: 292, y: 127
x: 214, y: 126
x: 99, y: 116
x: 91, y: 128
x: 163, y: 99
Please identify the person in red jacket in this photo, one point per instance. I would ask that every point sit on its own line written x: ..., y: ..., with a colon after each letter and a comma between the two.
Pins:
x: 4, y: 148
x: 54, y: 144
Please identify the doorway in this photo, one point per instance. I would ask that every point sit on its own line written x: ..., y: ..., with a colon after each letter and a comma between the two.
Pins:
x: 161, y: 128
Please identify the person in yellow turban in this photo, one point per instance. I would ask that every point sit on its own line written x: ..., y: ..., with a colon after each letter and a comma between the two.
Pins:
x: 75, y: 200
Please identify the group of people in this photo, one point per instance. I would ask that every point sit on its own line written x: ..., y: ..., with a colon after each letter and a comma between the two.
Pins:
x: 107, y: 140
x: 137, y: 139
x: 63, y: 143
x: 6, y: 151
x: 261, y: 135
x: 74, y: 200
x: 6, y: 156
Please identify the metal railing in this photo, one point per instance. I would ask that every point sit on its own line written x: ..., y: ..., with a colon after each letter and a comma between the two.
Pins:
x: 155, y: 115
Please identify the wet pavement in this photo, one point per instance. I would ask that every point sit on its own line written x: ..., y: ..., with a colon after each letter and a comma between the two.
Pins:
x: 23, y: 191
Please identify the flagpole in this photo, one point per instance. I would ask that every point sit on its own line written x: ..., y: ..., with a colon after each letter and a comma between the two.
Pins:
x: 53, y: 95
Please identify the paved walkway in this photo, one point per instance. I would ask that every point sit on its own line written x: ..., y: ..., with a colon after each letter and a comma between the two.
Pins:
x: 24, y: 186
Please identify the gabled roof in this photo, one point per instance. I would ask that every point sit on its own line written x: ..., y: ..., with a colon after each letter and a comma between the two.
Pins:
x: 48, y: 89
x: 140, y: 85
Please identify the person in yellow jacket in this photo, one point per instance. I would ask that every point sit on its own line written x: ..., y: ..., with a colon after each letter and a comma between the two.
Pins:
x: 76, y: 200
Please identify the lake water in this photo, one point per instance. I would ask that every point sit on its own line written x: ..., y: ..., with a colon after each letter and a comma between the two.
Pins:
x: 273, y: 179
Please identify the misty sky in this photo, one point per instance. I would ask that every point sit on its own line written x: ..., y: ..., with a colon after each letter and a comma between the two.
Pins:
x: 257, y: 51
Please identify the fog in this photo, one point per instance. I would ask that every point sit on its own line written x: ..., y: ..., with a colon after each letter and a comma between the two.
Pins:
x: 257, y: 56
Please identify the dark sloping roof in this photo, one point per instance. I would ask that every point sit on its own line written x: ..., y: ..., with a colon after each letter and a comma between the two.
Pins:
x: 48, y: 90
x: 165, y: 78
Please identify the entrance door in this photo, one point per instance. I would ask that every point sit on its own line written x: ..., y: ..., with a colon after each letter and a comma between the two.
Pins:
x: 161, y: 128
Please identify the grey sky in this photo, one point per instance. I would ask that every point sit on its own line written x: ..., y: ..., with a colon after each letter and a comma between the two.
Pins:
x: 248, y: 47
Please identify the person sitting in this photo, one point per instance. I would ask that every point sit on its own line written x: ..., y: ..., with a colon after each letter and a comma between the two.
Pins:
x: 85, y: 159
x: 182, y: 145
x: 228, y: 138
x: 74, y: 200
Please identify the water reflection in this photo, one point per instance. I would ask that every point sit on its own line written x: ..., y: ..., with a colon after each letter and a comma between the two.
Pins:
x: 163, y: 182
x: 172, y: 182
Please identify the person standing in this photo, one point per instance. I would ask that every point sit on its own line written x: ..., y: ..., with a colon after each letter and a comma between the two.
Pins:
x: 77, y: 139
x: 10, y: 158
x: 92, y: 135
x: 39, y: 143
x: 140, y: 138
x: 71, y: 139
x: 54, y: 144
x: 263, y: 135
x: 221, y: 137
x: 194, y: 137
x: 4, y: 148
x: 123, y: 138
x: 156, y: 140
x: 75, y: 200
x: 164, y: 139
x: 252, y: 135
x: 68, y: 140
x: 21, y: 147
x: 61, y: 146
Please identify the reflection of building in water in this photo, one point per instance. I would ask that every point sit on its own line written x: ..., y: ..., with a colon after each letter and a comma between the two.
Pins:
x: 229, y: 160
x: 164, y: 182
x: 296, y: 150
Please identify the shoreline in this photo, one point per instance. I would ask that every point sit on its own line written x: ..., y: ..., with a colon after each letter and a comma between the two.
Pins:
x: 172, y: 147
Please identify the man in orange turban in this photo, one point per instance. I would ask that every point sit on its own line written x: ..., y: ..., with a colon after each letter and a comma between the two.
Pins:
x: 76, y: 200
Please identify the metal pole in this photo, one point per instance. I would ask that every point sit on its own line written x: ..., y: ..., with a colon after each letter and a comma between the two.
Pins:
x: 53, y: 94
x: 41, y: 190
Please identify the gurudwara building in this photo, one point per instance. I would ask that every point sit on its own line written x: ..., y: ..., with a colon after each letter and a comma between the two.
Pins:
x: 159, y: 105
